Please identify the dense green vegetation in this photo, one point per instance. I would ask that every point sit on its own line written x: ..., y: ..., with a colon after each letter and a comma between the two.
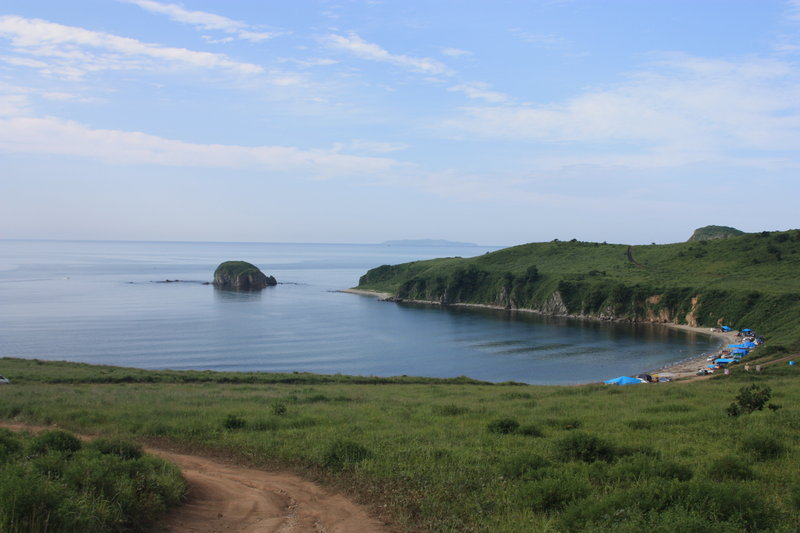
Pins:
x: 474, y: 457
x: 53, y: 482
x: 707, y: 233
x: 750, y: 280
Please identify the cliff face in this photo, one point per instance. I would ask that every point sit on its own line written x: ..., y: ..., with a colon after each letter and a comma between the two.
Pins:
x: 241, y: 276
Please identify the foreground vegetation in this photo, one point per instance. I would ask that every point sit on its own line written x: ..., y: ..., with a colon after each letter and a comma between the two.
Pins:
x: 53, y: 482
x: 719, y: 455
x: 749, y: 280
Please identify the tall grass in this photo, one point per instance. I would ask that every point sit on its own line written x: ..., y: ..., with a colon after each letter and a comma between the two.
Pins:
x: 52, y: 482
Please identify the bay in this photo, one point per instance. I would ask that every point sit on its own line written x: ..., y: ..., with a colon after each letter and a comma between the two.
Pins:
x: 110, y: 303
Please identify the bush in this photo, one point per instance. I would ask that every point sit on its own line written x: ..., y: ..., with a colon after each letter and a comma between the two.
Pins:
x: 729, y: 468
x: 125, y: 450
x: 279, y: 409
x: 343, y: 452
x: 584, y: 447
x: 10, y: 446
x: 749, y: 399
x: 530, y: 430
x: 54, y: 441
x: 234, y: 422
x: 61, y: 488
x: 762, y: 447
x: 503, y: 426
x: 523, y: 466
x: 553, y: 493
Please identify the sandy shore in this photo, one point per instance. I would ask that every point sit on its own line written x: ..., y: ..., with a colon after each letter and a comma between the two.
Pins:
x: 688, y: 367
x: 376, y: 294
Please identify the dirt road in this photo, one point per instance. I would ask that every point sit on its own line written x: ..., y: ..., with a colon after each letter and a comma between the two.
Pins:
x: 225, y: 498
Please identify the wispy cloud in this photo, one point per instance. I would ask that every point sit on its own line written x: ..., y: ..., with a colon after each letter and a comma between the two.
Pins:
x: 680, y: 110
x: 71, y: 52
x: 357, y: 46
x: 544, y: 40
x: 455, y: 52
x: 36, y: 135
x: 205, y: 21
x: 480, y: 91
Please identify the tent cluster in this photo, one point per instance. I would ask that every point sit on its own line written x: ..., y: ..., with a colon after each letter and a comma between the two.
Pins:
x: 641, y: 378
x: 728, y: 356
x: 734, y: 352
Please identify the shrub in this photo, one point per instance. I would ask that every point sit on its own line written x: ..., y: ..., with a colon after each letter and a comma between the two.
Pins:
x: 344, y: 452
x: 121, y: 448
x: 728, y: 468
x: 749, y: 399
x: 584, y: 447
x: 503, y: 426
x: 279, y: 409
x: 530, y: 430
x: 763, y: 447
x: 553, y: 493
x: 523, y: 466
x: 55, y: 441
x: 10, y: 446
x: 561, y: 423
x: 234, y: 422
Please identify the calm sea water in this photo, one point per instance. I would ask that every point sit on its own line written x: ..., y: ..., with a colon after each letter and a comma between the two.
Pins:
x: 105, y: 302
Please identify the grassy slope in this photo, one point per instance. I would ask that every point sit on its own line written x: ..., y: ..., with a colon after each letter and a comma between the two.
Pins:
x: 746, y: 281
x: 651, y: 457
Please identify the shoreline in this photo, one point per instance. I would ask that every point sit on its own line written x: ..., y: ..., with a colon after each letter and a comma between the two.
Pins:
x: 678, y: 370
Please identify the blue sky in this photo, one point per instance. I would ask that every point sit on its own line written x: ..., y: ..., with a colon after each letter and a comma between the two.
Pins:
x: 501, y: 122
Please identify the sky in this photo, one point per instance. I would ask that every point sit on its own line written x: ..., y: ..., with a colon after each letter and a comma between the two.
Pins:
x: 358, y: 121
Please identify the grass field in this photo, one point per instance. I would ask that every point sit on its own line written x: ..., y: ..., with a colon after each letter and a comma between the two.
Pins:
x: 448, y: 456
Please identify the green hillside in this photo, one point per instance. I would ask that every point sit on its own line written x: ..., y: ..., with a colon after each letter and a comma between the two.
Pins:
x: 750, y: 280
x: 708, y: 233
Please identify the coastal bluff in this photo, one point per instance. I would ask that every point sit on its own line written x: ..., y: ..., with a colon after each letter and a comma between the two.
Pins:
x: 241, y: 276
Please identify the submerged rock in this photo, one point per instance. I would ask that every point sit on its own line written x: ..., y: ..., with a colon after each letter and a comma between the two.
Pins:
x: 241, y: 276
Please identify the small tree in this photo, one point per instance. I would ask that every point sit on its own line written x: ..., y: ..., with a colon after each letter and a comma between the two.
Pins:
x: 749, y: 399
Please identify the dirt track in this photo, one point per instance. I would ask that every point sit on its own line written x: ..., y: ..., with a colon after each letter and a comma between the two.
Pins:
x: 225, y: 499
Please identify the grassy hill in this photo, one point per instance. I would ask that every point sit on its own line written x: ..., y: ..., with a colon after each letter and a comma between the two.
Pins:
x: 707, y: 233
x: 750, y: 280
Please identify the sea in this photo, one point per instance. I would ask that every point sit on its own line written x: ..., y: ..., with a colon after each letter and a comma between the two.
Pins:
x: 150, y: 305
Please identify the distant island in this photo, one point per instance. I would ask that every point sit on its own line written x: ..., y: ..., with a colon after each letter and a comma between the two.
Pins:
x: 426, y: 242
x: 241, y: 276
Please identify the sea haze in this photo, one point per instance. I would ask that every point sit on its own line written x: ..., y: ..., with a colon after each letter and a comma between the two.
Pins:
x: 108, y: 303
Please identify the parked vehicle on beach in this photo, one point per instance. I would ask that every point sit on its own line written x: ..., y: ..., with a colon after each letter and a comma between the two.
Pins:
x: 4, y: 381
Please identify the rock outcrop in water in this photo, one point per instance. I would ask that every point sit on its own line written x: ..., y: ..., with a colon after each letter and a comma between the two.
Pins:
x: 241, y: 276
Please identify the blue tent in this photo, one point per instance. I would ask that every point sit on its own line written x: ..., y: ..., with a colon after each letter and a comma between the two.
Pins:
x: 740, y: 351
x: 737, y: 346
x: 747, y: 330
x: 749, y: 344
x: 622, y: 380
x: 726, y: 328
x: 725, y: 360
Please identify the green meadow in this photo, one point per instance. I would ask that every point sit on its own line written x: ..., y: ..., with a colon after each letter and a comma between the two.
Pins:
x: 450, y: 455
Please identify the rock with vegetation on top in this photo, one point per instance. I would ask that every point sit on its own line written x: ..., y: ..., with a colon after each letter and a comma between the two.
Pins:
x: 707, y: 233
x: 241, y: 276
